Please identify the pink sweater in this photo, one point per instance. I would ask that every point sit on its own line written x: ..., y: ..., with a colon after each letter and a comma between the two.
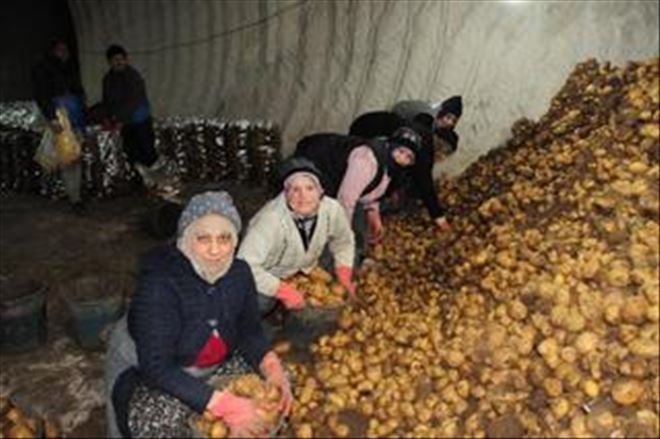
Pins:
x: 362, y: 168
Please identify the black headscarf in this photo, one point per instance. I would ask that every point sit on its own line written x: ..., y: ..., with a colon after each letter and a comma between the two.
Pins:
x: 453, y: 105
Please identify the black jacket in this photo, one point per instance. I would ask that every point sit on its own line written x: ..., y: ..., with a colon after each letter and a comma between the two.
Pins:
x: 123, y: 93
x: 52, y: 78
x: 384, y: 123
x: 171, y: 316
x: 329, y: 152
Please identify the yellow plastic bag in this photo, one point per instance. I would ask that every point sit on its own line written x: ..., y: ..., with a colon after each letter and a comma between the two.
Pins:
x: 66, y: 143
x: 46, y: 155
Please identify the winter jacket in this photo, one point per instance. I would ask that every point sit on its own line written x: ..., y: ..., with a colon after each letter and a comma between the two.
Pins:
x: 170, y: 319
x: 384, y: 123
x: 274, y: 249
x: 125, y: 96
x: 330, y: 152
x: 53, y: 78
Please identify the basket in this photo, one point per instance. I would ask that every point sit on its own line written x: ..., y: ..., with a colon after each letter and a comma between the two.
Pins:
x: 22, y: 316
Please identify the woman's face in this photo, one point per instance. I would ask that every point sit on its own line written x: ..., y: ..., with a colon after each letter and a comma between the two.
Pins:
x: 403, y: 156
x: 303, y: 196
x: 447, y: 120
x: 212, y: 242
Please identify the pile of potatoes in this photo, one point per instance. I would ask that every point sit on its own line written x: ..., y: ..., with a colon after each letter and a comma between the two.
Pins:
x: 537, y: 315
x: 15, y: 423
x: 320, y: 288
x: 266, y: 395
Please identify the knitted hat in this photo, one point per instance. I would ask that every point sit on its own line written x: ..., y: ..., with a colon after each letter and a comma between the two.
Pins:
x: 206, y: 203
x: 298, y: 164
x: 406, y: 137
x: 453, y: 105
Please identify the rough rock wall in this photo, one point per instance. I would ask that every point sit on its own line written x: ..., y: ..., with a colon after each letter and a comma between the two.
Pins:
x: 315, y: 65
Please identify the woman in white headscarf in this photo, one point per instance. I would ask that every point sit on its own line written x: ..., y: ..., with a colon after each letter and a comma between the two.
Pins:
x: 289, y: 235
x: 194, y: 315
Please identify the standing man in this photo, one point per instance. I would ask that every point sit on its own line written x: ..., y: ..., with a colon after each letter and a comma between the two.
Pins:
x: 56, y: 83
x: 126, y: 103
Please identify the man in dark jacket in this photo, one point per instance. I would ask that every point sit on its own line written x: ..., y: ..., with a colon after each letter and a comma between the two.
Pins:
x: 56, y: 83
x: 126, y: 103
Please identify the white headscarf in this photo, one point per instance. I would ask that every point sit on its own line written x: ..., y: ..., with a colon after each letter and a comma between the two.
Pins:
x: 213, y: 224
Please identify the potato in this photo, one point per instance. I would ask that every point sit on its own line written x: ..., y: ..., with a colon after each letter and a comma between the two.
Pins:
x: 304, y: 431
x: 20, y: 431
x: 627, y: 391
x: 52, y: 430
x: 282, y: 347
x: 219, y: 430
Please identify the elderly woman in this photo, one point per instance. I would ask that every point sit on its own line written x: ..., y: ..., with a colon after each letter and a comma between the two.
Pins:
x: 289, y: 235
x: 194, y: 315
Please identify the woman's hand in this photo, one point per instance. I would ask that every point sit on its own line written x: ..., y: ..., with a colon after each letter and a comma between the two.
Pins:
x: 240, y: 414
x: 289, y: 296
x: 271, y: 368
x: 376, y: 229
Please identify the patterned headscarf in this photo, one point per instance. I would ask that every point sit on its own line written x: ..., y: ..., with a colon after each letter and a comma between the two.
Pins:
x: 227, y: 221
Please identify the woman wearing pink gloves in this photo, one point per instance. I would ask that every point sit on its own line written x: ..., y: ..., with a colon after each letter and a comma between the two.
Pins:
x: 290, y: 233
x: 194, y: 315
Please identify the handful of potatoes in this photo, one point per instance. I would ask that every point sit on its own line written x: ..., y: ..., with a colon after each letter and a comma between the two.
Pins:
x: 266, y: 395
x: 15, y: 423
x: 322, y: 291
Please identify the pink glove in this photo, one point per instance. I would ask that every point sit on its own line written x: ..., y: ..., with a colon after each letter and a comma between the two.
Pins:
x: 271, y: 368
x: 443, y: 224
x: 345, y: 274
x: 240, y: 414
x: 290, y: 297
x: 375, y: 224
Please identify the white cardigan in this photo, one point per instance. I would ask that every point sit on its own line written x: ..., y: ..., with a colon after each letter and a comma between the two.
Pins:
x: 274, y: 249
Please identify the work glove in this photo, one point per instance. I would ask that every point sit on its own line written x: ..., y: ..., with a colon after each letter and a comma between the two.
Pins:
x: 344, y: 275
x: 289, y: 296
x: 240, y: 414
x: 442, y: 224
x: 376, y: 230
x: 272, y: 370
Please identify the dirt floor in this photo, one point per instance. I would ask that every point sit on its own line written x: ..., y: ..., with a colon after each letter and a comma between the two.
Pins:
x: 44, y: 240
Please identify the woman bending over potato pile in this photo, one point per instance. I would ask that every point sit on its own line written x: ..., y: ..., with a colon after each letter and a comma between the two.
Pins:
x: 289, y: 235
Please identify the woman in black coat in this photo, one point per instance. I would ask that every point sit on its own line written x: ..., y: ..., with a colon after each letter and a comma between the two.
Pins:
x: 194, y: 315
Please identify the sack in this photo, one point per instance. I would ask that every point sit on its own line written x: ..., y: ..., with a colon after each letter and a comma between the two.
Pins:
x: 46, y: 155
x: 66, y: 143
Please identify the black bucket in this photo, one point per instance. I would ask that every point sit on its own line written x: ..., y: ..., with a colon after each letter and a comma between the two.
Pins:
x: 22, y: 315
x: 94, y: 302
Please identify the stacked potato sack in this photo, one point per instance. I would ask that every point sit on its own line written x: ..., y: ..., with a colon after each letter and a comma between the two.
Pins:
x: 213, y: 150
x: 537, y: 315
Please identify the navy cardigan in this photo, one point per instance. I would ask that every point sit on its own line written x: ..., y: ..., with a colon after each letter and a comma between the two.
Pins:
x: 174, y: 312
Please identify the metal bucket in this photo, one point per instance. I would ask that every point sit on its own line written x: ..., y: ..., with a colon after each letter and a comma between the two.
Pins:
x: 22, y: 316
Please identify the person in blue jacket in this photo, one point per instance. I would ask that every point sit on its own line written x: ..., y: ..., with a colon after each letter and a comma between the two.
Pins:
x: 194, y: 315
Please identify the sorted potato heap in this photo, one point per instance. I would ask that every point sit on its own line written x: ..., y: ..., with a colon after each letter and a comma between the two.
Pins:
x: 537, y: 315
x: 322, y: 291
x: 15, y: 423
x: 267, y: 397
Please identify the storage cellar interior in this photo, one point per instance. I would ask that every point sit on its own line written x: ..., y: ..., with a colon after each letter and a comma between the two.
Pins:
x: 533, y: 313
